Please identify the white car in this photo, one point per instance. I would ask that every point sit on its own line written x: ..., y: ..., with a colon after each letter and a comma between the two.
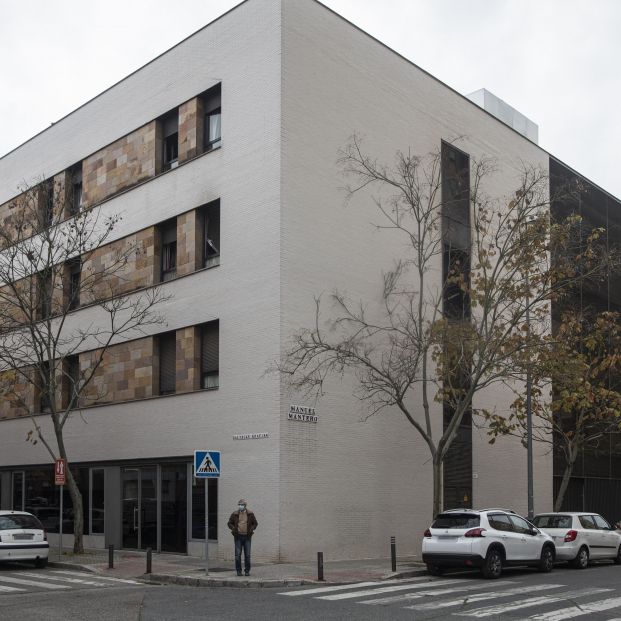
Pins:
x: 580, y: 537
x: 489, y: 539
x: 22, y: 538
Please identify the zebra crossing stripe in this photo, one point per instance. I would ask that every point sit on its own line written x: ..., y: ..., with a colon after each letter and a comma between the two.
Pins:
x: 466, y: 586
x: 6, y: 589
x: 43, y: 585
x: 481, y: 597
x: 66, y: 579
x: 575, y: 611
x: 78, y: 574
x: 340, y: 587
x: 386, y: 589
x: 499, y: 609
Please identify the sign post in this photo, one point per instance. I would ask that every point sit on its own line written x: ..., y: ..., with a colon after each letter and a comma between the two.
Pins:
x: 207, y: 466
x: 60, y: 478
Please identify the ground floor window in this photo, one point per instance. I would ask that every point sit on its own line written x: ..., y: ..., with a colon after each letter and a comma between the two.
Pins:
x: 198, y: 508
x: 134, y: 505
x: 18, y: 491
x: 97, y: 501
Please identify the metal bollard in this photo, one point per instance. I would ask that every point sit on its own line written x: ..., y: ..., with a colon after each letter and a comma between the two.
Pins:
x: 393, y: 553
x: 149, y: 551
x: 111, y: 556
x: 320, y: 566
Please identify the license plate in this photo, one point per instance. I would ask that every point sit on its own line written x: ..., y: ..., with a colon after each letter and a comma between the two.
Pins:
x: 22, y: 536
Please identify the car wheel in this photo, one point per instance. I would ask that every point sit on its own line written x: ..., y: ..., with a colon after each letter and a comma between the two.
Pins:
x: 617, y: 559
x: 492, y: 567
x: 40, y: 563
x: 434, y: 570
x: 546, y: 561
x: 582, y: 558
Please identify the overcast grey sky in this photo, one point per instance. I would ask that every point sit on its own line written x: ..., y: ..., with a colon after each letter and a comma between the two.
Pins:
x: 556, y: 61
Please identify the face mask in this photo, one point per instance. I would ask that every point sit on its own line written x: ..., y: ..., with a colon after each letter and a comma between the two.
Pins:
x: 242, y: 507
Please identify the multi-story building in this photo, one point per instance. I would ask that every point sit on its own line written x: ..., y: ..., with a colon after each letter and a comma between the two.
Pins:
x: 220, y: 156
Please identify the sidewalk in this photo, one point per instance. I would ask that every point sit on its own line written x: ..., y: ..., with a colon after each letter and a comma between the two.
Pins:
x: 181, y: 569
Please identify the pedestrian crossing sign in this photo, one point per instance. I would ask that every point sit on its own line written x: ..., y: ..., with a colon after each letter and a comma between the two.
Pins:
x: 207, y: 464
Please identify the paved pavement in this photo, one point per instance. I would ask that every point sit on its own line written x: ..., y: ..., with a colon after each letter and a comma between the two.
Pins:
x: 181, y: 569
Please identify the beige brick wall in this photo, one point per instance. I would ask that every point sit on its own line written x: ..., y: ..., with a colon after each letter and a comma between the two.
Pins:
x: 188, y: 359
x: 11, y: 384
x: 126, y: 373
x: 120, y: 165
x: 128, y: 263
x: 189, y: 240
x: 191, y: 122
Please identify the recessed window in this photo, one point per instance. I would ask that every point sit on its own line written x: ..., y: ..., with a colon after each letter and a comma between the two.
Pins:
x: 75, y: 194
x: 72, y: 380
x: 211, y: 235
x: 213, y: 118
x: 168, y: 231
x: 43, y: 383
x: 74, y: 276
x: 210, y: 355
x: 168, y: 362
x: 44, y: 295
x: 46, y: 202
x: 97, y: 501
x: 170, y: 137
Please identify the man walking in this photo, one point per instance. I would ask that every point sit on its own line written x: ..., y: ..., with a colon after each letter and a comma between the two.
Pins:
x: 242, y: 524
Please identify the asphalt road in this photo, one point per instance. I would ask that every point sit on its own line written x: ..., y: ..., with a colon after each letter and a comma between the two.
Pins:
x: 48, y: 595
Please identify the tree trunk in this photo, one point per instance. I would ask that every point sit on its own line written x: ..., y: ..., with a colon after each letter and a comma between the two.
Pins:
x: 569, y: 468
x: 437, y: 484
x: 78, y: 520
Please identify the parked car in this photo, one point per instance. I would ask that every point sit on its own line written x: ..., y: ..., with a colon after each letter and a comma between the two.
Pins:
x: 22, y: 538
x: 580, y: 537
x: 490, y: 539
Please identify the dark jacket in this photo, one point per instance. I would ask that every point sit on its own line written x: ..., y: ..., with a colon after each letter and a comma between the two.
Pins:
x: 234, y: 521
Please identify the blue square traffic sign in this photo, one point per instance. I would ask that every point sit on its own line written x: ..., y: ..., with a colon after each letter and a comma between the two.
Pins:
x: 207, y: 464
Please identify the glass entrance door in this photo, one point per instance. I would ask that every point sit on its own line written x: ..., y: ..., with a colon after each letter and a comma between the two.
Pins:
x: 140, y: 507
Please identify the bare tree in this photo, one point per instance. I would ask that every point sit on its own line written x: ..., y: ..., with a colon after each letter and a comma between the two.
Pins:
x: 49, y: 266
x: 442, y: 335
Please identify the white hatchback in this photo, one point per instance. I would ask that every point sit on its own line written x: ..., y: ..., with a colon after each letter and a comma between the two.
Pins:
x: 22, y: 538
x: 489, y: 539
x: 580, y: 537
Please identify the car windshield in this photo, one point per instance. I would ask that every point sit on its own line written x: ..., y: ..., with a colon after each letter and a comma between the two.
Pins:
x: 552, y: 521
x: 8, y: 522
x: 456, y: 520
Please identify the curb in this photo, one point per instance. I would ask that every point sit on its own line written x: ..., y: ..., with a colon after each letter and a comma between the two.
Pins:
x: 267, y: 583
x: 225, y: 582
x: 208, y: 581
x: 88, y: 569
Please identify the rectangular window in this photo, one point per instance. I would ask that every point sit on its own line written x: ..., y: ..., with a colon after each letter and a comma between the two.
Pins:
x: 168, y: 362
x: 168, y: 232
x: 198, y: 508
x: 210, y: 375
x: 97, y: 501
x: 46, y: 202
x: 170, y: 136
x: 211, y: 251
x: 213, y: 118
x: 72, y: 380
x: 75, y: 195
x: 74, y: 276
x: 18, y: 491
x: 44, y: 295
x: 43, y: 381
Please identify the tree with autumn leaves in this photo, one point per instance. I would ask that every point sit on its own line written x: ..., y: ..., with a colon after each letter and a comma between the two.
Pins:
x: 455, y: 317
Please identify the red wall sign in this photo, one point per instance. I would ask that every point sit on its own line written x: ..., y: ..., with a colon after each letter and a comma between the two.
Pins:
x: 60, y: 469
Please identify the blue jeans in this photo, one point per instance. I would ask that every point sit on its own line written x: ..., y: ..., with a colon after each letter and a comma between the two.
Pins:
x: 242, y: 541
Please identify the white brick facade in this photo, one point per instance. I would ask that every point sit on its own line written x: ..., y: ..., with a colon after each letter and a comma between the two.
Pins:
x: 297, y: 81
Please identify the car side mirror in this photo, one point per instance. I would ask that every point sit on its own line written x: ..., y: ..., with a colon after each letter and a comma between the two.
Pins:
x: 534, y: 531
